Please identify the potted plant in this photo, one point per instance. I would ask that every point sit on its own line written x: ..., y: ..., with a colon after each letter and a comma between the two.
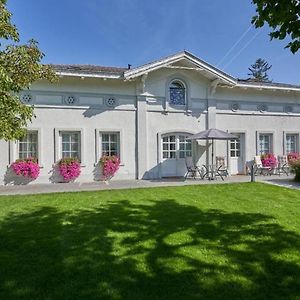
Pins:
x: 26, y: 167
x: 295, y: 168
x: 110, y: 165
x: 69, y: 168
x: 269, y: 160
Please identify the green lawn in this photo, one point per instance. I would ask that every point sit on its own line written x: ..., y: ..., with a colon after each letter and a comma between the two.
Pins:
x: 239, y: 241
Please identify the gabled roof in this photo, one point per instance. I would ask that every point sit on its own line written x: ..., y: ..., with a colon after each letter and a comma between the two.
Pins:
x: 249, y: 83
x: 199, y: 64
x: 89, y: 71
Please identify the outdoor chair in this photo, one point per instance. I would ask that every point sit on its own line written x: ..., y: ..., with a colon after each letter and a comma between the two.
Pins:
x: 283, y: 165
x: 192, y: 169
x: 259, y: 168
x: 221, y: 168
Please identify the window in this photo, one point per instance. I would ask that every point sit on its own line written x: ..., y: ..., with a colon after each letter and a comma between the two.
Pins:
x: 265, y: 144
x: 176, y: 146
x: 70, y: 144
x: 177, y: 93
x: 169, y: 146
x: 28, y: 145
x: 235, y: 148
x: 110, y: 143
x: 185, y: 147
x: 291, y: 143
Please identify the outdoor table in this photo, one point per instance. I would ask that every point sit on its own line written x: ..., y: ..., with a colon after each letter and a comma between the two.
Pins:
x: 211, y: 171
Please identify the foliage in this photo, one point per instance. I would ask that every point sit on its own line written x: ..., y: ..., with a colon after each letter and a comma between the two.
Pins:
x: 293, y: 156
x: 259, y: 69
x: 27, y: 167
x: 69, y: 168
x: 295, y: 167
x: 19, y: 67
x: 110, y: 165
x: 211, y: 242
x: 283, y: 17
x: 269, y: 160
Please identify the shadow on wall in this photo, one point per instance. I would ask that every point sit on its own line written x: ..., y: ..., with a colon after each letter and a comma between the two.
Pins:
x: 10, y: 178
x: 97, y: 172
x: 55, y: 176
x: 156, y: 250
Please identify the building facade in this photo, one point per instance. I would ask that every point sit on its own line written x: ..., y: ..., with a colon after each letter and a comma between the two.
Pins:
x: 144, y: 116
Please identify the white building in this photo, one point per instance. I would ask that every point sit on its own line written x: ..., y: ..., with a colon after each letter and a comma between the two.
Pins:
x: 144, y: 114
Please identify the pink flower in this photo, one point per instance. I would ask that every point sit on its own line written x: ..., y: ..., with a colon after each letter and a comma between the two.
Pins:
x: 110, y: 166
x: 269, y: 160
x: 69, y: 168
x: 28, y: 167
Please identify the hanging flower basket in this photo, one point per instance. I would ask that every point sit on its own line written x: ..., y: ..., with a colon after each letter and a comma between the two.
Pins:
x: 27, y: 167
x: 69, y: 168
x: 293, y: 156
x: 110, y: 165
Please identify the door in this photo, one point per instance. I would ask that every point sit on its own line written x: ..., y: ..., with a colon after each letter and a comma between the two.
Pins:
x: 175, y: 148
x: 237, y: 161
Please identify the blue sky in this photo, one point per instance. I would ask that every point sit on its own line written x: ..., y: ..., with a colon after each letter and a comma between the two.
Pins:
x: 118, y: 32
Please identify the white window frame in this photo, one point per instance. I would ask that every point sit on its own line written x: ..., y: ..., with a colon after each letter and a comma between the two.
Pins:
x: 14, y: 147
x: 58, y: 143
x: 167, y: 105
x: 272, y: 143
x: 98, y: 143
x: 177, y: 143
x: 285, y: 141
x: 185, y: 93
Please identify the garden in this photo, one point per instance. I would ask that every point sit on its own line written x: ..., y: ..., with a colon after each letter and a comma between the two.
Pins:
x: 233, y: 241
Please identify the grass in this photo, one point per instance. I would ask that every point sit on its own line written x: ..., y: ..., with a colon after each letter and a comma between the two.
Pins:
x: 239, y: 241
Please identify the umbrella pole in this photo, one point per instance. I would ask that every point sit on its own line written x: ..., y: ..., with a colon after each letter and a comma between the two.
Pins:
x: 212, y: 152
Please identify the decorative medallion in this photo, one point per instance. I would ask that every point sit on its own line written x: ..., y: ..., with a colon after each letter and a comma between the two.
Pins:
x: 26, y: 98
x: 70, y: 100
x: 111, y: 102
x: 235, y: 106
x: 262, y: 107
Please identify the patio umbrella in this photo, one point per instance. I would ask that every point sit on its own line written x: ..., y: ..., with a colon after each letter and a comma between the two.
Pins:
x: 212, y: 134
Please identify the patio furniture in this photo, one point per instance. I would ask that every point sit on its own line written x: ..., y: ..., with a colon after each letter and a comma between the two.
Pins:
x: 212, y: 134
x: 192, y: 169
x: 259, y: 168
x: 221, y: 170
x: 283, y: 165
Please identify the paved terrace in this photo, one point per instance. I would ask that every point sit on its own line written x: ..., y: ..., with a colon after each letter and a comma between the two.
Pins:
x: 285, y: 181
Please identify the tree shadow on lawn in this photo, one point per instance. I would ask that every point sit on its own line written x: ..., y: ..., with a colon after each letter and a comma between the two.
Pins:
x: 163, y: 250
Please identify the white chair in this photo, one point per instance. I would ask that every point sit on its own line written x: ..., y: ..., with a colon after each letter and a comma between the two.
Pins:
x: 221, y: 168
x: 192, y: 169
x: 283, y: 165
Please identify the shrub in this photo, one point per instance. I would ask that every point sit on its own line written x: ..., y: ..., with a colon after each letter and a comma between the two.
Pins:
x: 27, y: 167
x: 295, y: 168
x: 269, y: 160
x: 110, y: 166
x: 69, y: 168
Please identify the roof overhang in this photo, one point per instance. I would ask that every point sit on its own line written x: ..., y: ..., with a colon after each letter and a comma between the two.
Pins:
x: 199, y: 65
x: 270, y: 87
x: 85, y: 75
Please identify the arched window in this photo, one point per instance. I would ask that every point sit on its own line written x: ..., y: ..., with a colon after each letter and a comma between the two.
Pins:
x: 177, y: 93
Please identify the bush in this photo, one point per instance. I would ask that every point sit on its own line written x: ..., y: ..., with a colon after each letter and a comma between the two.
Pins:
x: 295, y: 168
x: 69, y: 168
x: 269, y: 160
x: 110, y: 166
x: 27, y: 167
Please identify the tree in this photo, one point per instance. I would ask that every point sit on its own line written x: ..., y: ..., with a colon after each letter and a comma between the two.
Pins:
x: 259, y: 70
x: 283, y: 16
x: 20, y: 66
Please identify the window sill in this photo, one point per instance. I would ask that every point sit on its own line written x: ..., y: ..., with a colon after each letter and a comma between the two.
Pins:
x: 81, y: 165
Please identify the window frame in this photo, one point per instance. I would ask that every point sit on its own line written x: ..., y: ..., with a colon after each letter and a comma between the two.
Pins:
x: 272, y: 143
x: 37, y: 145
x: 58, y: 143
x: 287, y: 133
x: 98, y: 143
x: 14, y: 147
x: 173, y: 107
x: 185, y: 92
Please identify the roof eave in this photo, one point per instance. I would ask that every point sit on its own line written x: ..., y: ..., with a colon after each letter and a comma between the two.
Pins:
x: 85, y: 75
x: 267, y: 87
